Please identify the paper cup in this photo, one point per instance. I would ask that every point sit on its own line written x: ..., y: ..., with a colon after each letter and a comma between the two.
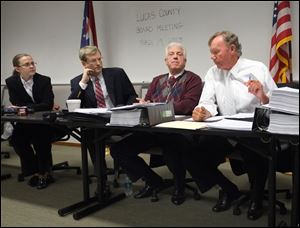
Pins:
x: 73, y: 104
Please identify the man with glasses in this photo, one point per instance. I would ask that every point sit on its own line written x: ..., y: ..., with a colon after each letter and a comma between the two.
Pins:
x: 99, y: 87
x: 30, y: 89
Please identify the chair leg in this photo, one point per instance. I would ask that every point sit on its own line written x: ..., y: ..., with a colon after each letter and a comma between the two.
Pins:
x: 21, y: 177
x: 279, y: 204
x: 196, y: 194
x: 117, y: 170
x: 246, y: 198
x: 241, y: 201
x: 116, y: 174
x: 5, y: 176
x: 65, y: 165
x: 195, y: 191
x: 5, y: 154
x: 170, y: 182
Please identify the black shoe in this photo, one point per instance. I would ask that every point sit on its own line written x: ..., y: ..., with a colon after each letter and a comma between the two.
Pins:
x: 178, y: 197
x: 224, y: 201
x: 33, y: 181
x: 255, y: 210
x: 44, y: 182
x: 144, y: 192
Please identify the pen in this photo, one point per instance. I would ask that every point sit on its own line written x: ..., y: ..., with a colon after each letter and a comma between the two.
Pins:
x: 251, y: 77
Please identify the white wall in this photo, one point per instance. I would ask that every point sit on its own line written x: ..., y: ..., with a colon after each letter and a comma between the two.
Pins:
x: 133, y: 35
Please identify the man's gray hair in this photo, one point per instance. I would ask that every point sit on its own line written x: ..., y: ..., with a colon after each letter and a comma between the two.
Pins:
x: 229, y: 38
x: 175, y: 44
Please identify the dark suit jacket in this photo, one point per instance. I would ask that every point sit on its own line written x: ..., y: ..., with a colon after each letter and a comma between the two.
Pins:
x: 42, y: 92
x: 118, y: 85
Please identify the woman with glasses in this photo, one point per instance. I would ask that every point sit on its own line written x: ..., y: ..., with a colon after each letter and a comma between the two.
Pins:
x: 29, y: 89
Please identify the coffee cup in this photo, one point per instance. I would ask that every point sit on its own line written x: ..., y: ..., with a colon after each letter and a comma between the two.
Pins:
x: 72, y: 104
x: 22, y: 111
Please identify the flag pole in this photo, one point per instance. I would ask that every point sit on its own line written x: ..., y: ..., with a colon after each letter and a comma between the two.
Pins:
x: 290, y: 61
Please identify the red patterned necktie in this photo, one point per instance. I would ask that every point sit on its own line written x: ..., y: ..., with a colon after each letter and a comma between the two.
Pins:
x: 99, y: 94
x: 171, y: 81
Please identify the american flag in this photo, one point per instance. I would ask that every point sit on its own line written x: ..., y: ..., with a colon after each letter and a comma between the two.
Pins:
x: 89, y: 34
x: 281, y: 52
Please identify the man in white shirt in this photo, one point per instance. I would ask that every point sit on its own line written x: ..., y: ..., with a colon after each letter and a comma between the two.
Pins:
x: 233, y: 85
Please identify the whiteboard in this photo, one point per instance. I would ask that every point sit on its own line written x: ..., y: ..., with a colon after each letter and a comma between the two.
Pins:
x: 139, y: 31
x: 133, y: 35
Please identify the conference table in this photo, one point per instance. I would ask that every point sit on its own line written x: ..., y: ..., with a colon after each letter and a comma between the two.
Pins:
x: 102, y: 131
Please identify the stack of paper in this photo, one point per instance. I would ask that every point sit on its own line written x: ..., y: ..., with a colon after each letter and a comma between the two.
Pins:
x: 146, y: 114
x: 136, y: 105
x: 285, y: 99
x: 238, y: 125
x: 126, y: 117
x: 284, y: 123
x: 284, y: 114
x: 183, y: 125
x: 93, y: 110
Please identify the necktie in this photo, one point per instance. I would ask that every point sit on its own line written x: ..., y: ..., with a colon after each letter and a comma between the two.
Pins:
x: 170, y: 84
x: 99, y: 94
x: 171, y: 81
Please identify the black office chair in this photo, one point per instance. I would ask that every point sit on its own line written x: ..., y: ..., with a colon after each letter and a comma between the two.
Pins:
x: 4, y: 154
x: 238, y: 168
x: 61, y: 133
x: 157, y: 160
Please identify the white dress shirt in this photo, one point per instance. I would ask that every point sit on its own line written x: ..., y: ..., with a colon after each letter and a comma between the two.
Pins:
x: 176, y: 75
x: 28, y: 87
x: 226, y: 90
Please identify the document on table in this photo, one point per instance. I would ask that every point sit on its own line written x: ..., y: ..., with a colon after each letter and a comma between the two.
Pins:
x: 210, y: 119
x: 235, y: 116
x: 245, y: 115
x: 93, y: 110
x: 183, y: 125
x: 229, y: 124
x: 136, y: 105
x: 233, y: 122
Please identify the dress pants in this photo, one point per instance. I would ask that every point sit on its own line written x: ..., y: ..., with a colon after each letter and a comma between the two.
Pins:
x: 203, y: 159
x: 126, y: 153
x: 256, y: 165
x: 36, y: 159
x: 174, y: 146
x: 90, y: 134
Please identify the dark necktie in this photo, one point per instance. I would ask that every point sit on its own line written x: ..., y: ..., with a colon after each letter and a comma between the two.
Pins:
x: 171, y: 81
x: 99, y: 94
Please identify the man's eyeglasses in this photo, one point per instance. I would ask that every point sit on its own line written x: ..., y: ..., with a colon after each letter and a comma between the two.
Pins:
x: 28, y: 64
